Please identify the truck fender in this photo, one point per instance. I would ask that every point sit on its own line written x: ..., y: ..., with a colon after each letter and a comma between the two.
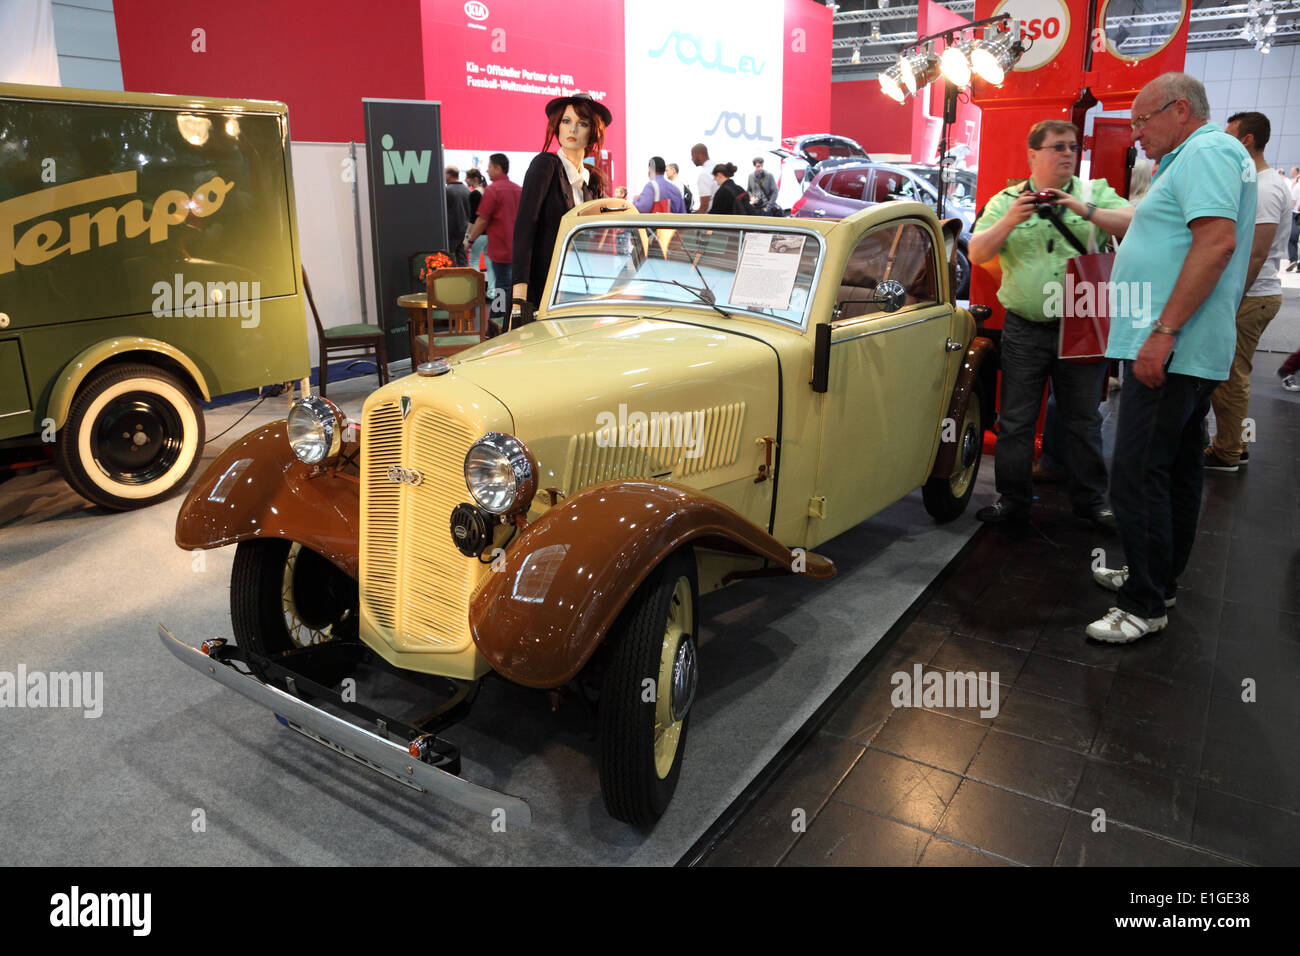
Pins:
x: 571, y: 572
x: 257, y: 488
x: 75, y: 372
x: 977, y: 354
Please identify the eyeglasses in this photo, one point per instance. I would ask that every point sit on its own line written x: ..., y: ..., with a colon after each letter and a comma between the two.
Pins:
x: 1140, y: 121
x: 1062, y: 147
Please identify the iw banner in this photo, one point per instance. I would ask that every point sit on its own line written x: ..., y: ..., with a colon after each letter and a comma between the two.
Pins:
x: 408, y: 203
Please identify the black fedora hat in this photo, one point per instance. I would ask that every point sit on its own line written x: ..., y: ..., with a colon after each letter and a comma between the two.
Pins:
x: 560, y: 102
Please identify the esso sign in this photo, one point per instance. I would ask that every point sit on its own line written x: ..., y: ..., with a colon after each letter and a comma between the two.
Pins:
x: 1044, y: 24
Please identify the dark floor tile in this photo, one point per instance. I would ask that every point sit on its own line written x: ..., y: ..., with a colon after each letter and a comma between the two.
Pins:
x: 1232, y: 719
x: 1048, y: 720
x: 846, y: 836
x: 1246, y: 831
x: 895, y: 787
x: 983, y: 701
x: 1162, y: 804
x: 1255, y: 769
x: 1273, y: 666
x: 1066, y: 680
x: 1253, y: 623
x: 1264, y: 523
x: 1027, y: 766
x: 940, y: 852
x: 960, y: 653
x: 1264, y: 572
x: 933, y: 739
x: 1063, y: 637
x: 1008, y: 824
x: 1173, y: 705
x: 1119, y: 845
x: 1151, y: 747
x: 943, y: 614
x: 765, y: 831
x: 920, y: 640
x: 866, y: 708
x: 1182, y: 653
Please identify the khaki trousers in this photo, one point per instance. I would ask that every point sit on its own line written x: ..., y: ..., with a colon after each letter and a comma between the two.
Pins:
x: 1231, y: 399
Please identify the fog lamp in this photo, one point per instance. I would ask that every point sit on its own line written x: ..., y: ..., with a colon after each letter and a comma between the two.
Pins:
x: 315, y: 429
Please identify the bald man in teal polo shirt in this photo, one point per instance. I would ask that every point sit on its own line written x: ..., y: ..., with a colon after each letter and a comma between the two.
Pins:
x: 1187, y: 249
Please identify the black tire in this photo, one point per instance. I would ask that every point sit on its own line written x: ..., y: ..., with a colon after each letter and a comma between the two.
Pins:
x: 636, y: 778
x: 284, y: 596
x: 946, y: 498
x: 963, y: 274
x: 134, y: 435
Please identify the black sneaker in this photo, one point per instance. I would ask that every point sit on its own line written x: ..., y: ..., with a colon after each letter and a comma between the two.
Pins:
x: 1214, y: 463
x: 1102, y: 518
x: 1002, y: 512
x: 1245, y: 457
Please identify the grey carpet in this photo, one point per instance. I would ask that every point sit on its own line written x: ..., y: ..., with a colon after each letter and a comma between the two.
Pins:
x: 85, y: 590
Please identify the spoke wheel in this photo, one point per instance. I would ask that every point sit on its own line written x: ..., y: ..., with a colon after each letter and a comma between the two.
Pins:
x: 946, y: 498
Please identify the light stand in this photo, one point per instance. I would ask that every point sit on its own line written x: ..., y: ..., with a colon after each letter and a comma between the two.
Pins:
x: 949, y: 117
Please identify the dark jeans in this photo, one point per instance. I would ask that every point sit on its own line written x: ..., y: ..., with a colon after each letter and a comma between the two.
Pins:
x: 1028, y: 355
x: 1155, y: 484
x: 499, y: 304
x: 1292, y: 250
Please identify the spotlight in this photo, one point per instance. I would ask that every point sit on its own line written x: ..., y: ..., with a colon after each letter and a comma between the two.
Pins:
x: 919, y: 69
x: 857, y: 55
x: 891, y: 83
x: 875, y: 29
x: 1271, y: 27
x: 955, y: 62
x: 992, y: 57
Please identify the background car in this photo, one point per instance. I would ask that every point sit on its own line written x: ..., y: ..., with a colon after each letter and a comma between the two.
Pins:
x: 798, y: 158
x: 840, y: 188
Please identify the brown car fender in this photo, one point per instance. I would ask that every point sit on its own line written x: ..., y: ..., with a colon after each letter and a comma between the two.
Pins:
x: 980, y: 356
x: 257, y: 488
x: 569, y: 575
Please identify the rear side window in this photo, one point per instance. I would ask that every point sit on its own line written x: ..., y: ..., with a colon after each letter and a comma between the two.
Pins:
x: 848, y: 183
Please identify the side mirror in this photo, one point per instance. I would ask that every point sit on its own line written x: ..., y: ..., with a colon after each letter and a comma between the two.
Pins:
x: 890, y: 295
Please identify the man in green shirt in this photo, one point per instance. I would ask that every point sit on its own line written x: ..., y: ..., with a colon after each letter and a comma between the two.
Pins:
x: 1032, y: 251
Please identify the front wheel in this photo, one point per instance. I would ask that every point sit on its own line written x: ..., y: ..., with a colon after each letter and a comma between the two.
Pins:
x: 134, y: 435
x: 946, y: 498
x: 284, y: 596
x: 647, y: 693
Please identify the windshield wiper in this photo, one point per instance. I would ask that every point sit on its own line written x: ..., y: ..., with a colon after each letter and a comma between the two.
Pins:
x: 705, y: 295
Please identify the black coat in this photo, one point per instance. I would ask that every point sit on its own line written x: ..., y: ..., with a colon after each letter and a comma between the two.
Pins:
x: 544, y: 198
x: 731, y: 200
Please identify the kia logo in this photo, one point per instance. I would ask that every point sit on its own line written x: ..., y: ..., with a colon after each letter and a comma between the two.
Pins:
x: 404, y: 476
x: 476, y: 10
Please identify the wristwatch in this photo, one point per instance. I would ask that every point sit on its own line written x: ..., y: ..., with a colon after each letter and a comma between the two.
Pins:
x: 1158, y: 326
x: 1092, y: 207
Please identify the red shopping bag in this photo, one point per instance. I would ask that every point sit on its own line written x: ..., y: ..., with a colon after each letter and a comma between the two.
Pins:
x: 1085, y: 324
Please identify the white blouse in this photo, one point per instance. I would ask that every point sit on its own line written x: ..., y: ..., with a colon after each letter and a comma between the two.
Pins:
x: 577, y: 177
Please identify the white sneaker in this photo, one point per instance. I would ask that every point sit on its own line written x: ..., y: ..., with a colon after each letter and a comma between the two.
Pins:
x: 1290, y: 384
x: 1121, y: 627
x: 1112, y: 579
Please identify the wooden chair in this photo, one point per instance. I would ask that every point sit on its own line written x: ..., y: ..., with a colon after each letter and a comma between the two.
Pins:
x: 346, y: 341
x: 458, y: 298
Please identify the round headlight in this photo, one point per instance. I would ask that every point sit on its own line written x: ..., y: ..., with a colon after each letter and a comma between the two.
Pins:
x: 315, y: 429
x: 501, y: 474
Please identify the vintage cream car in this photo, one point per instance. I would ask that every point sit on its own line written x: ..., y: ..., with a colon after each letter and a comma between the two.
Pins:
x: 702, y: 400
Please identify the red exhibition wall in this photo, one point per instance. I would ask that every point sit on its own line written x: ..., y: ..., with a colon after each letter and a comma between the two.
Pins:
x: 318, y: 56
x: 860, y: 111
x: 494, y: 71
x: 806, y: 92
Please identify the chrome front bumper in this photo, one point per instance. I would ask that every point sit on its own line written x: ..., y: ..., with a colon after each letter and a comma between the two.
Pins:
x: 369, y: 748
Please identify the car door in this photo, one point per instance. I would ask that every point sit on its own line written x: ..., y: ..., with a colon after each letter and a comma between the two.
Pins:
x: 887, y: 375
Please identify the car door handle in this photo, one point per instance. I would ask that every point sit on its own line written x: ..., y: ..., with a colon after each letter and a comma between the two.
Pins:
x: 954, y: 346
x: 819, y: 212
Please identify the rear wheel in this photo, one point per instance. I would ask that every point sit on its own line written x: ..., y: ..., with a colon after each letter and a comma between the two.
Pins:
x: 134, y: 435
x: 963, y: 274
x: 284, y: 596
x: 946, y: 498
x: 647, y: 693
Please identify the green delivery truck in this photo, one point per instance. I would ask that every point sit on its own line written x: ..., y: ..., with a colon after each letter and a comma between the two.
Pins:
x: 148, y: 261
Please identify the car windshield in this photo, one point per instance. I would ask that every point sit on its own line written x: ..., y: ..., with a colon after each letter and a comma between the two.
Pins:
x: 767, y: 272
